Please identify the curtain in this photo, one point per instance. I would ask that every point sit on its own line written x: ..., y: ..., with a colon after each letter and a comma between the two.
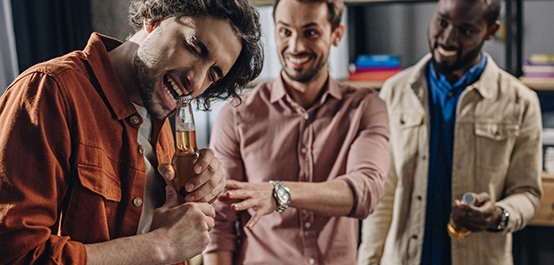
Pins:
x: 45, y: 29
x: 8, y: 58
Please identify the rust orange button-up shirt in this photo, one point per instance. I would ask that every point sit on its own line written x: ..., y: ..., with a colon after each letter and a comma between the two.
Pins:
x: 71, y: 170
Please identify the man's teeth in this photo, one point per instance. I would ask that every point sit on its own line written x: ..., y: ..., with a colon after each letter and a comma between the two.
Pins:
x: 445, y: 53
x: 175, y: 88
x: 296, y: 60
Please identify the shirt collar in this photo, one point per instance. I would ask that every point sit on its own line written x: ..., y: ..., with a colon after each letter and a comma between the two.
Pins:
x: 279, y: 92
x: 468, y: 78
x: 96, y: 53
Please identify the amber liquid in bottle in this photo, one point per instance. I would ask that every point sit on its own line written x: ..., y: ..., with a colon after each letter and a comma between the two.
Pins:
x: 459, y: 232
x: 186, y: 153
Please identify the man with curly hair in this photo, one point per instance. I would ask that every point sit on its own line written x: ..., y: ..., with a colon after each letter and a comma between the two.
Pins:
x: 83, y: 134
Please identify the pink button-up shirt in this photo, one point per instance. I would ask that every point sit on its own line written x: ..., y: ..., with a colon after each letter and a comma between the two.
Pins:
x: 270, y: 137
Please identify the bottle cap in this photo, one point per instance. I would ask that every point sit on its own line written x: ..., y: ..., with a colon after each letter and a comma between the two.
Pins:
x: 469, y: 198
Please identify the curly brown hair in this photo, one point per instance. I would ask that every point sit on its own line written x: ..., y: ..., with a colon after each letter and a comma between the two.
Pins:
x: 244, y: 21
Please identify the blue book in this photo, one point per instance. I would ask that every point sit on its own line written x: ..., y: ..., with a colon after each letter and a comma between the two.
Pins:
x: 377, y: 60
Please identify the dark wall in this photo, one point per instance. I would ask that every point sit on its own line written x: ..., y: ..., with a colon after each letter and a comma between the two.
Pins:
x: 45, y: 29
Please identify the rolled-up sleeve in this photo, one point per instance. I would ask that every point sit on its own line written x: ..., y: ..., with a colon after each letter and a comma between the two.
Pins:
x: 368, y: 158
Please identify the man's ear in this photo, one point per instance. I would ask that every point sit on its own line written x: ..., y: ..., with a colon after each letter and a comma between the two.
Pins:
x: 337, y: 35
x: 150, y: 25
x: 492, y: 29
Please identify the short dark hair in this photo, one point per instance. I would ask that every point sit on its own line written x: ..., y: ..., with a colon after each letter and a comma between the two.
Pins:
x: 493, y: 11
x: 334, y: 7
x: 244, y: 21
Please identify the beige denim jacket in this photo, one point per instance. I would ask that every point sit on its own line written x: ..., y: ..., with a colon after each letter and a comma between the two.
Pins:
x: 497, y: 149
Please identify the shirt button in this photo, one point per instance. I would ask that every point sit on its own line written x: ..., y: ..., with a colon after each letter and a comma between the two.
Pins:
x: 137, y: 201
x: 307, y: 224
x: 414, y: 236
x: 141, y: 149
x: 418, y: 197
x: 306, y: 116
x: 311, y: 260
x: 304, y: 150
x: 423, y: 157
x: 135, y: 119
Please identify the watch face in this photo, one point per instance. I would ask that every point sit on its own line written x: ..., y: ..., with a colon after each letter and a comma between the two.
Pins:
x: 283, y: 195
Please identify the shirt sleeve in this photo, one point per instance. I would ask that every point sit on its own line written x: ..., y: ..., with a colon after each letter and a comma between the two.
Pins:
x: 35, y: 146
x: 368, y: 158
x: 225, y: 142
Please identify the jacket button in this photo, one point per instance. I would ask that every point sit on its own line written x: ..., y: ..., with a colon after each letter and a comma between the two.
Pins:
x: 141, y: 149
x: 137, y: 201
x: 135, y: 120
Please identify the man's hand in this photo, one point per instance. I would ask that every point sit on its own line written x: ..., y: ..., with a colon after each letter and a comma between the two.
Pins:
x: 257, y: 198
x: 209, y: 181
x: 478, y: 217
x: 183, y: 228
x: 178, y: 233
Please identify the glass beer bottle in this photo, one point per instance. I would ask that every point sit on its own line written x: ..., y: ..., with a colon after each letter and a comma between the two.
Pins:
x: 186, y: 152
x: 468, y: 198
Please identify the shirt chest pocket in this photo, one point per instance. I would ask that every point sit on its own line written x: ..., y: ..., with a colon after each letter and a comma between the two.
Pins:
x: 97, y: 175
x: 100, y: 182
x: 494, y: 144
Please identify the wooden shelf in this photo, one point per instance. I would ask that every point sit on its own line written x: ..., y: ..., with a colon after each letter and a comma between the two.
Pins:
x: 365, y: 84
x: 545, y: 215
x: 538, y: 85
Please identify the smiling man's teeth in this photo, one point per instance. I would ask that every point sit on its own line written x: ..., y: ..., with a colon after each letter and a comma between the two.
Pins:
x: 445, y: 53
x: 169, y: 92
x: 297, y: 60
x: 175, y: 87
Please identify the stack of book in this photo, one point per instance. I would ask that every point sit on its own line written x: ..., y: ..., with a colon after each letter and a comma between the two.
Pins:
x: 539, y: 69
x: 374, y: 67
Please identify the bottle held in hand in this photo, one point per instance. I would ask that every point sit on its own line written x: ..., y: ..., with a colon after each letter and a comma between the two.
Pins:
x: 186, y: 153
x: 469, y: 198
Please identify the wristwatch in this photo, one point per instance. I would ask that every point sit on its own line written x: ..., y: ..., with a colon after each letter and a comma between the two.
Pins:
x: 502, y: 222
x: 281, y: 194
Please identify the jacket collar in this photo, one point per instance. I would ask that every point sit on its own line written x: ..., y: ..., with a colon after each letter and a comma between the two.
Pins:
x: 486, y: 85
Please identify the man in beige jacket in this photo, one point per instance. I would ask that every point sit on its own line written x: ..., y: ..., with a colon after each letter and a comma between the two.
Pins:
x: 458, y: 124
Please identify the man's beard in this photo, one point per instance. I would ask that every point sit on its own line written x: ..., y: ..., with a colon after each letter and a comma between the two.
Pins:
x: 308, y: 76
x: 146, y: 86
x: 461, y: 63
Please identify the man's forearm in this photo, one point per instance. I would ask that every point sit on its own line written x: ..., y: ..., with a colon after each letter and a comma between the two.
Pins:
x: 332, y: 198
x: 140, y: 249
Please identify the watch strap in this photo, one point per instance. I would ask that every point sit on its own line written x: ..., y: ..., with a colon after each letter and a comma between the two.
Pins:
x: 502, y: 222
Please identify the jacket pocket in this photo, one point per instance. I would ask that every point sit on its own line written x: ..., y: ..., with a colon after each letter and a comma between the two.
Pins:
x: 407, y: 130
x: 497, y: 132
x: 407, y: 120
x: 494, y: 144
x: 99, y: 181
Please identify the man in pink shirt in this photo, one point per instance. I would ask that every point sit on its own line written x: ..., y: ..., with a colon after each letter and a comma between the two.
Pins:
x: 305, y: 156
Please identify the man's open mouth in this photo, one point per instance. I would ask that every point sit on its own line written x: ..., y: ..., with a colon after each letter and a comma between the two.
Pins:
x: 172, y: 88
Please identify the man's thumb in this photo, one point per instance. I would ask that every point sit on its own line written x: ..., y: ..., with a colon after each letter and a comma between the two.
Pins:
x: 171, y: 199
